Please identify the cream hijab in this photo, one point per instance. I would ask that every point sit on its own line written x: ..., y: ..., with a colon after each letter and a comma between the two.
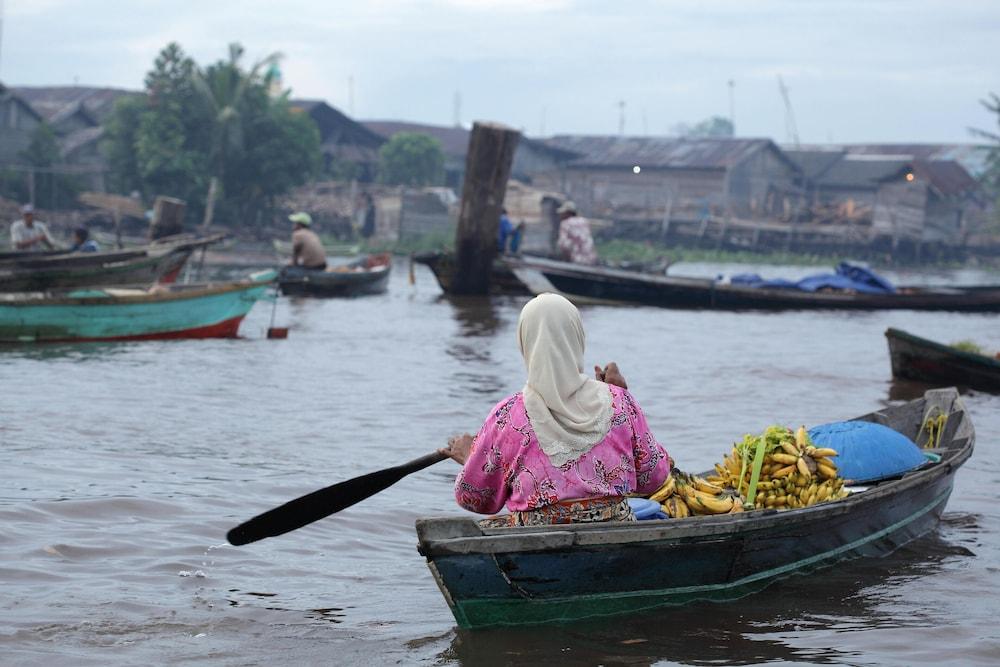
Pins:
x: 569, y: 411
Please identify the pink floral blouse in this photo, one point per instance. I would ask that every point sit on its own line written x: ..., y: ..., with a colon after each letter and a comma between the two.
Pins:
x: 508, y: 467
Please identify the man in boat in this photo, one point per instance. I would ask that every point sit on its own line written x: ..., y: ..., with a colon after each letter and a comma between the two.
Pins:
x: 82, y: 241
x: 565, y: 449
x: 508, y: 236
x: 28, y: 233
x: 307, y: 249
x: 575, y: 243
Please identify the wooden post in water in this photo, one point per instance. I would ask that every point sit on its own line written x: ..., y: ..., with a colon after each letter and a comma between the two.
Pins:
x: 487, y: 168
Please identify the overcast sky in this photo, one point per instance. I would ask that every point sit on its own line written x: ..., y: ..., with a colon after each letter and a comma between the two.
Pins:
x: 880, y: 70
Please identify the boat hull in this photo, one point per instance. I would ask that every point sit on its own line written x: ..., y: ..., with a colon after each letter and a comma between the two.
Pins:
x: 209, y: 312
x: 548, y: 574
x: 916, y: 358
x: 295, y: 281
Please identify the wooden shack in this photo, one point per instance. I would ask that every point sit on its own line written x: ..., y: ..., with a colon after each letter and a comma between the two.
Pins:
x: 934, y: 201
x: 345, y: 143
x: 645, y: 178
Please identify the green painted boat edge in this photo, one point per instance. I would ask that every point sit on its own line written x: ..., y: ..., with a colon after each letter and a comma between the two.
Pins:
x: 491, y: 612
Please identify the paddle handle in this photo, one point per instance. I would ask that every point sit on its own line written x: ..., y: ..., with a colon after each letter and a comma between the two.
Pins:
x: 424, y: 461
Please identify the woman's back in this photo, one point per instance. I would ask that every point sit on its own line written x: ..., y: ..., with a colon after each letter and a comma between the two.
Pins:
x: 508, y: 467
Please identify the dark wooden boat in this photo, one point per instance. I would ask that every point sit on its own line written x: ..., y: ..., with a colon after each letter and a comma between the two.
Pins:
x: 160, y: 261
x: 366, y: 275
x: 442, y: 265
x: 595, y: 284
x: 502, y: 277
x: 511, y: 576
x: 916, y: 358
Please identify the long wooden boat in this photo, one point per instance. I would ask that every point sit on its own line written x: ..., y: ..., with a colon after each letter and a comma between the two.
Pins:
x: 511, y: 576
x: 442, y: 265
x: 916, y: 358
x: 366, y: 275
x: 112, y: 314
x: 159, y: 261
x: 595, y: 284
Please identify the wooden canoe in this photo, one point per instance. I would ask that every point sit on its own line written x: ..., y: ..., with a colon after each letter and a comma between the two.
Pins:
x: 366, y: 275
x: 113, y: 314
x: 512, y: 576
x: 596, y: 284
x: 915, y: 358
x: 157, y: 262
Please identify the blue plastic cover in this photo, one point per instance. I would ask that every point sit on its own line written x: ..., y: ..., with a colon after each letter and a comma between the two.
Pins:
x: 646, y: 509
x: 847, y: 277
x: 867, y: 452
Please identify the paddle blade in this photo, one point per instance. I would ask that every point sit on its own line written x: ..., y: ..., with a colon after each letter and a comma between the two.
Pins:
x: 324, y: 502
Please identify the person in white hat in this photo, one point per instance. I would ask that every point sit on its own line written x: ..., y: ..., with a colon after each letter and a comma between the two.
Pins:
x: 575, y: 243
x: 28, y: 233
x: 307, y: 249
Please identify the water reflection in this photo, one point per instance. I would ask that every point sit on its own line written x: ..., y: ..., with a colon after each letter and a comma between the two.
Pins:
x: 796, y: 620
x: 77, y: 352
x: 479, y: 320
x: 908, y: 390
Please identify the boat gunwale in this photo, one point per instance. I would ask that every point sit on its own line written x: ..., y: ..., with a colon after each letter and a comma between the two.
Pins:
x: 173, y: 293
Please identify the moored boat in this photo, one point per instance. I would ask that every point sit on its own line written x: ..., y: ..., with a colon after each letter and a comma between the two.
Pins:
x: 157, y: 262
x: 916, y: 358
x: 108, y: 314
x: 366, y: 275
x: 596, y: 284
x: 524, y: 575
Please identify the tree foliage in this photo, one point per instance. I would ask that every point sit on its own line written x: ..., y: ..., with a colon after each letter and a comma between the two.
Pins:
x: 715, y: 126
x: 219, y: 122
x: 991, y: 176
x: 411, y: 158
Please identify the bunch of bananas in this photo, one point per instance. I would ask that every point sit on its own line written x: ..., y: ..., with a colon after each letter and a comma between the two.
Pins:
x: 794, y: 473
x: 683, y: 495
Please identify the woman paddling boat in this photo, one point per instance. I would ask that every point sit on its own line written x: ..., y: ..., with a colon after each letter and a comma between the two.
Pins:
x: 566, y: 448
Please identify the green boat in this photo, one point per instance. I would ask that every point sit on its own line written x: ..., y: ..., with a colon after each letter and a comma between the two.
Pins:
x: 114, y: 314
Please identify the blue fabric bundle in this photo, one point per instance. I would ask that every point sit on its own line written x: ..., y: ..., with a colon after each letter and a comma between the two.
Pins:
x: 646, y: 509
x: 847, y: 277
x: 867, y: 452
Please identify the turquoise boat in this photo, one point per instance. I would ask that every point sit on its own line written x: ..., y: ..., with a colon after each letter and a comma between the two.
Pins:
x: 113, y: 314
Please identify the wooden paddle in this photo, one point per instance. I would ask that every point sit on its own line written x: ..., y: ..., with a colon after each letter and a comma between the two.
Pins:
x: 324, y: 502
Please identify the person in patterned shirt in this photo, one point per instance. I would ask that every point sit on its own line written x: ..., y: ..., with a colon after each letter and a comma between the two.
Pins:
x: 575, y: 244
x: 567, y: 448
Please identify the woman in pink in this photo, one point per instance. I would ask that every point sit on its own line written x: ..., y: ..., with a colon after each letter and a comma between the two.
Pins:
x: 566, y: 448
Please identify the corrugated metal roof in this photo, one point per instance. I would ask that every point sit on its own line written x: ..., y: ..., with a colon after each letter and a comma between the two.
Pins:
x: 51, y: 101
x: 860, y: 171
x: 454, y: 140
x: 948, y: 177
x: 814, y: 163
x: 973, y: 157
x: 335, y: 127
x: 661, y: 152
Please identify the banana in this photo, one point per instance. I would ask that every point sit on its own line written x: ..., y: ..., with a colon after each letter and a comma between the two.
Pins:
x: 783, y: 472
x: 737, y: 507
x: 783, y: 458
x: 803, y: 467
x: 789, y: 448
x: 826, y: 470
x: 704, y: 485
x: 823, y: 451
x: 715, y: 505
x: 666, y: 490
x: 823, y: 493
x: 801, y: 437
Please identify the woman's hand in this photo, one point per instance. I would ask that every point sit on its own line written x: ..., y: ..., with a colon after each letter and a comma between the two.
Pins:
x: 458, y: 448
x: 611, y: 375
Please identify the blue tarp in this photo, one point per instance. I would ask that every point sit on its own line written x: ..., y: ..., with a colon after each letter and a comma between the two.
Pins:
x: 866, y: 451
x: 848, y: 276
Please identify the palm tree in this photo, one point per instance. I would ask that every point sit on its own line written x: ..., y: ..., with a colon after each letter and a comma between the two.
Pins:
x: 223, y: 88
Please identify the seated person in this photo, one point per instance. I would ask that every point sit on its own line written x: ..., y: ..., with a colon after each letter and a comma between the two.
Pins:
x: 28, y: 233
x: 307, y: 249
x: 82, y: 241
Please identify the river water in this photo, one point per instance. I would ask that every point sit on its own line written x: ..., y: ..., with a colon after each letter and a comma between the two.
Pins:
x: 125, y: 464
